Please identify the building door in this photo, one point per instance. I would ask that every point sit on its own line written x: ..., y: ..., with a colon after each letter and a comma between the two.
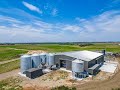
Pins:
x: 63, y: 63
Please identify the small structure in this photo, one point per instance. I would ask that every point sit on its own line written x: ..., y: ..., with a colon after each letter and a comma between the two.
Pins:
x: 34, y: 72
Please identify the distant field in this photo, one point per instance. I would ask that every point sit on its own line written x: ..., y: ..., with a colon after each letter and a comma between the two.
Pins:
x: 8, y: 54
x: 13, y: 51
x: 9, y: 66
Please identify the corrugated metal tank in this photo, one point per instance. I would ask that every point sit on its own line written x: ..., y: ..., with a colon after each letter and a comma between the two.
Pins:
x: 35, y: 60
x: 43, y: 58
x: 51, y: 60
x: 77, y: 66
x: 25, y: 63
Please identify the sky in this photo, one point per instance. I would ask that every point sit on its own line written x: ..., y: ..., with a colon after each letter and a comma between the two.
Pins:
x: 23, y: 21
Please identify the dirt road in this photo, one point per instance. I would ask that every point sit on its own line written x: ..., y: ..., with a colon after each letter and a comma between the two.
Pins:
x: 7, y: 61
x: 9, y: 74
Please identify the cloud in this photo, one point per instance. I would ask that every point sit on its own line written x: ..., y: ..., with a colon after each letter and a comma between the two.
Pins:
x: 103, y: 27
x: 32, y: 7
x: 73, y: 28
x: 54, y: 12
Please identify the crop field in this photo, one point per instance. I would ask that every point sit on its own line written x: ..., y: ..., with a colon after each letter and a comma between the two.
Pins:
x: 7, y: 53
x: 14, y: 50
x: 9, y: 66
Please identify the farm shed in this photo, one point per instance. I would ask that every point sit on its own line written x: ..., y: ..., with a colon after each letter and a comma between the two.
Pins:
x: 90, y: 59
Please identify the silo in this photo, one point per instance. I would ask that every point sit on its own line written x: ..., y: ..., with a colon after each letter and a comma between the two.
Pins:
x: 43, y: 58
x: 77, y: 69
x: 35, y: 60
x: 77, y: 66
x: 51, y: 60
x: 25, y: 63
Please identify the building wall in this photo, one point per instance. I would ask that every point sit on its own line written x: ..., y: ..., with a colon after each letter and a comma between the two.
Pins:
x: 91, y: 63
x: 64, y: 57
x: 87, y: 64
x: 69, y: 65
x: 100, y: 59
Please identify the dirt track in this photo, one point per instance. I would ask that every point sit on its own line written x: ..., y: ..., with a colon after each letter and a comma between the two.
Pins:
x: 7, y: 61
x: 9, y: 74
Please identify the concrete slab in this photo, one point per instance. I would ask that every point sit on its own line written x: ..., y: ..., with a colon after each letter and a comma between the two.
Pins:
x: 109, y: 67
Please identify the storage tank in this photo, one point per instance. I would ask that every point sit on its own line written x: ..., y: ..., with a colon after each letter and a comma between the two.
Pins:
x: 35, y: 60
x: 43, y: 58
x: 77, y: 66
x: 51, y: 59
x: 25, y: 63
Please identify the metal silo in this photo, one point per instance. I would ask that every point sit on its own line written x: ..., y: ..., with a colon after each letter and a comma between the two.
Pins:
x: 51, y: 60
x: 35, y: 60
x: 25, y: 63
x: 78, y: 69
x: 43, y: 58
x: 77, y: 66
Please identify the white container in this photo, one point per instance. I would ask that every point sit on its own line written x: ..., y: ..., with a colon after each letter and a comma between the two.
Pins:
x: 25, y: 63
x: 51, y: 60
x: 35, y: 60
x: 77, y: 66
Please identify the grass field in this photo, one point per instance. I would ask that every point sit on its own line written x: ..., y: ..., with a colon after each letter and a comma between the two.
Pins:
x: 9, y: 66
x: 8, y: 54
x: 12, y: 83
x: 13, y: 51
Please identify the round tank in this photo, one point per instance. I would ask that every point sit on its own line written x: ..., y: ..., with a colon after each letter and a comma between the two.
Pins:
x: 77, y: 66
x: 43, y: 58
x: 25, y: 63
x: 51, y: 60
x: 35, y: 60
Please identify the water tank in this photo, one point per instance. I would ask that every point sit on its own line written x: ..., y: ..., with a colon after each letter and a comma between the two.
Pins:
x: 25, y: 63
x: 43, y: 58
x: 51, y: 60
x: 77, y: 66
x: 35, y: 60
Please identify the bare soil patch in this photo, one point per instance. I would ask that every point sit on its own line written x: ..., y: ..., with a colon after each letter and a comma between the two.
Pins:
x: 36, y: 51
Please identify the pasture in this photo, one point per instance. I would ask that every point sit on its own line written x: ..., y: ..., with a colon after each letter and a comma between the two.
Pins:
x: 8, y: 52
x: 9, y: 66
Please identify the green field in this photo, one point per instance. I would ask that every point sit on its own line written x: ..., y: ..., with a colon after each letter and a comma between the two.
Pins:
x: 12, y: 83
x: 9, y: 66
x: 8, y: 52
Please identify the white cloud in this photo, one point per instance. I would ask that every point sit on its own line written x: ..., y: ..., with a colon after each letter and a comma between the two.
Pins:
x: 104, y: 27
x: 32, y: 7
x: 54, y: 12
x: 73, y: 28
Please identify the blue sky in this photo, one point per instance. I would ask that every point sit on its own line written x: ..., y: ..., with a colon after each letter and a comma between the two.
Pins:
x: 59, y: 20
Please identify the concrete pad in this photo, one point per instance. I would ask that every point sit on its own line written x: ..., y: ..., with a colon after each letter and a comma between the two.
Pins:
x: 21, y: 74
x: 109, y: 67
